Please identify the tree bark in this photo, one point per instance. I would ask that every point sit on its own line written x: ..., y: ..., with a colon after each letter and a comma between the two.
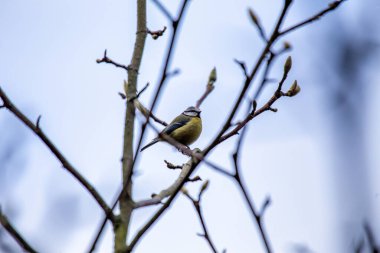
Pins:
x: 126, y: 203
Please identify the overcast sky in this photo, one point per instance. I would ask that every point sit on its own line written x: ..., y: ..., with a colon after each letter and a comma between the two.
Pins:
x: 47, y: 67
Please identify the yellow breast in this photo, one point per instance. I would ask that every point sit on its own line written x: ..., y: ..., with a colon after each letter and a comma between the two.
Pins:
x: 188, y: 133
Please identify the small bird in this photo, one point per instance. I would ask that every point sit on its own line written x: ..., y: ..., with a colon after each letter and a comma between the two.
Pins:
x: 185, y: 128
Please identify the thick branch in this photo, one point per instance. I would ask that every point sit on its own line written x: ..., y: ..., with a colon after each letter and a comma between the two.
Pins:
x: 157, y: 198
x: 125, y: 200
x: 164, y: 75
x: 65, y: 163
x: 126, y: 203
x: 16, y: 235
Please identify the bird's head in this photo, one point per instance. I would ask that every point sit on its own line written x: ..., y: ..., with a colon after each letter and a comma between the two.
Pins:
x: 192, y: 112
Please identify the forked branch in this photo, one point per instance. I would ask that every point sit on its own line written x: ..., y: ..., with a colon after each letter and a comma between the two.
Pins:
x: 197, y: 205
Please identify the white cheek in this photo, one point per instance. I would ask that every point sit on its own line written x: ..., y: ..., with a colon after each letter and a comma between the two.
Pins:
x: 191, y: 114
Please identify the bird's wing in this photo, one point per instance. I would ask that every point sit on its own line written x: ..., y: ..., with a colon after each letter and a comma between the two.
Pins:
x: 173, y: 126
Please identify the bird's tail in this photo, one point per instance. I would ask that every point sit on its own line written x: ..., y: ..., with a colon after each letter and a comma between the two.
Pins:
x: 154, y: 141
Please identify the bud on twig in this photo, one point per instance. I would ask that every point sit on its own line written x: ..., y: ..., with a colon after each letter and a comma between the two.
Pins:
x: 125, y: 87
x: 287, y: 45
x: 204, y: 186
x: 294, y: 89
x: 212, y: 76
x: 253, y: 16
x: 184, y: 191
x: 288, y: 64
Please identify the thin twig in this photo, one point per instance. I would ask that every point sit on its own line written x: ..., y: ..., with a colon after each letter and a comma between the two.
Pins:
x: 265, y: 75
x: 139, y: 93
x: 198, y: 209
x: 265, y: 79
x: 16, y: 235
x: 265, y: 205
x: 65, y: 163
x: 194, y: 179
x: 105, y: 59
x: 257, y: 217
x: 332, y: 6
x: 243, y: 66
x: 172, y: 166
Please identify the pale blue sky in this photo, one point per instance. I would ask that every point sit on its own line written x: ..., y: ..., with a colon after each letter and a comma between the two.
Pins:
x: 47, y: 66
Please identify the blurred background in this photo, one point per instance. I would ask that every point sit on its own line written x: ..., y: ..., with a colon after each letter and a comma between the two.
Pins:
x: 317, y: 157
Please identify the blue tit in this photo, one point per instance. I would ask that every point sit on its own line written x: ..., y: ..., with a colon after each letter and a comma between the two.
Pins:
x: 185, y: 128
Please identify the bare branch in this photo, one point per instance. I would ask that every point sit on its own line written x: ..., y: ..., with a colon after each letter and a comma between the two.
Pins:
x: 105, y: 59
x: 257, y: 217
x: 194, y: 179
x: 249, y: 78
x: 65, y: 163
x: 198, y: 209
x: 266, y: 107
x: 138, y: 93
x: 16, y: 235
x: 157, y: 198
x: 332, y: 6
